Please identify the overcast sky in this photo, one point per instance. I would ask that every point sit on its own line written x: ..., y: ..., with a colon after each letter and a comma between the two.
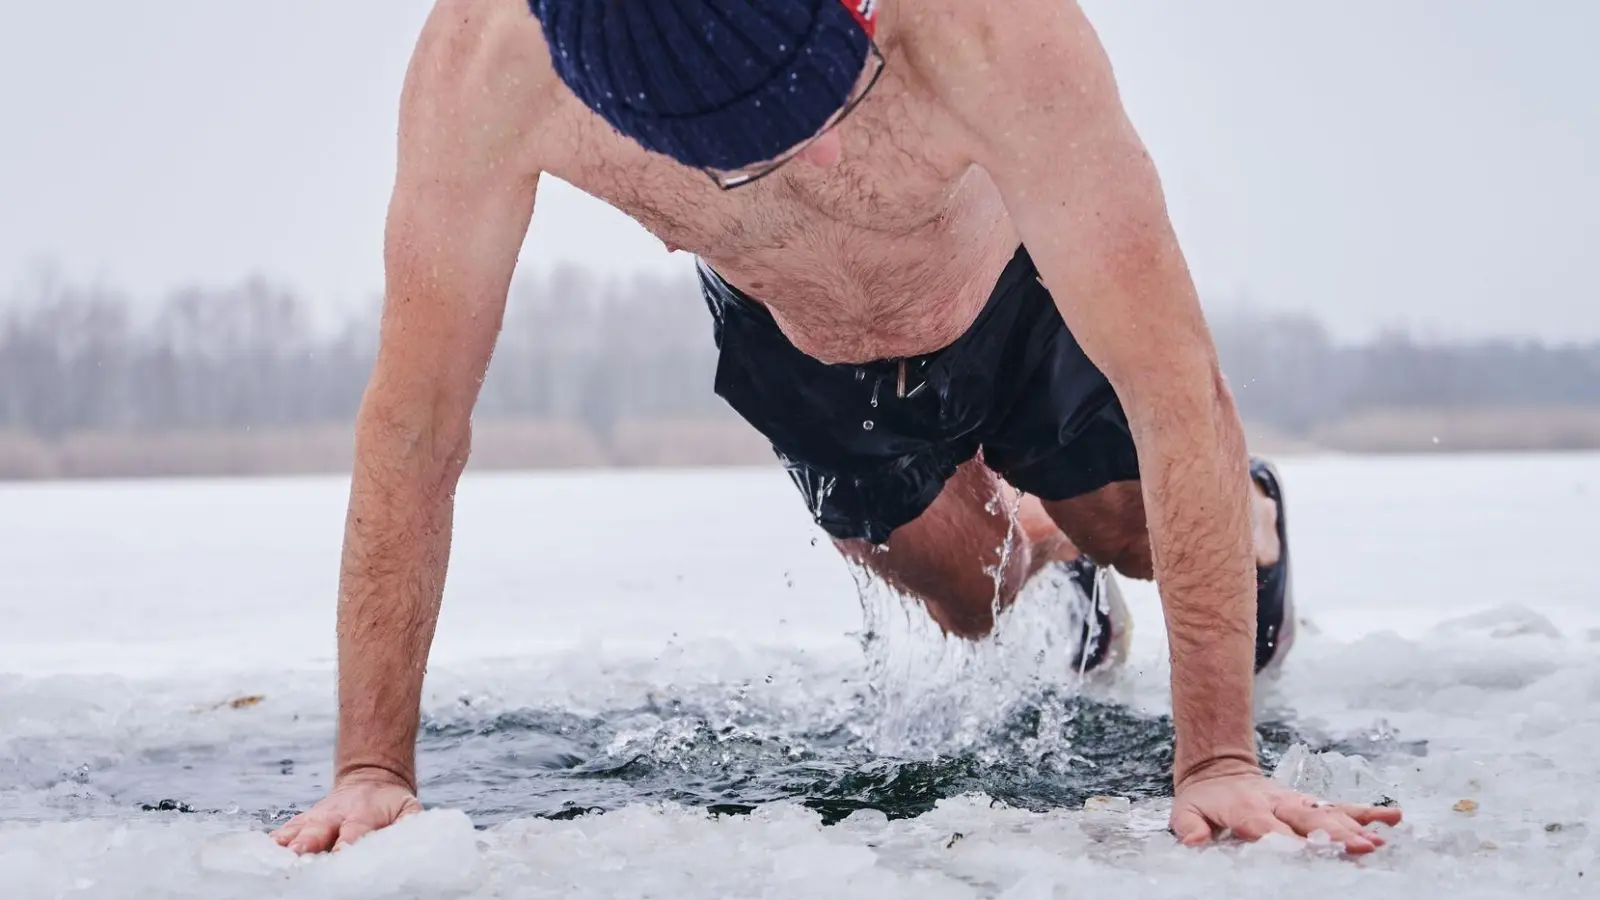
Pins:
x: 1377, y: 162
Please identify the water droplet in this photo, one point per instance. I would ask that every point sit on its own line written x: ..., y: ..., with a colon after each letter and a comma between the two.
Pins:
x: 867, y: 425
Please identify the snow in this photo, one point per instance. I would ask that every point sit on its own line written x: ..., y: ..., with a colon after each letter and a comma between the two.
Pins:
x: 1456, y: 624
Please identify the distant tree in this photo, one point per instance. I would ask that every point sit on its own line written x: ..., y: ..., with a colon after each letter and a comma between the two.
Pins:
x: 581, y: 347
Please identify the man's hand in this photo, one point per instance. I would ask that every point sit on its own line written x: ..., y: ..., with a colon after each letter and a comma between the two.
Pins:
x: 1252, y: 806
x: 363, y: 801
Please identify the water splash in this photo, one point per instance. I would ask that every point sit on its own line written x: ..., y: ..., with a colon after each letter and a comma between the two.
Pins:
x: 931, y: 695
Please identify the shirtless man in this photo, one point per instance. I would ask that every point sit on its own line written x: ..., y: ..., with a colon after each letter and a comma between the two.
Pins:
x: 938, y: 262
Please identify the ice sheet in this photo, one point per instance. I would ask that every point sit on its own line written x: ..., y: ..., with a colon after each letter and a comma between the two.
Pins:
x: 1454, y: 605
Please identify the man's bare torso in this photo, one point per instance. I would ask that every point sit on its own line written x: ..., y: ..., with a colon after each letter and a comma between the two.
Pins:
x: 890, y: 253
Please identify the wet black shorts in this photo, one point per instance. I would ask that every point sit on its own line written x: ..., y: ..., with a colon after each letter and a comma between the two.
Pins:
x: 870, y: 446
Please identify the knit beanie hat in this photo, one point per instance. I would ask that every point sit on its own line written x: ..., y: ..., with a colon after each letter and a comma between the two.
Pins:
x: 714, y: 84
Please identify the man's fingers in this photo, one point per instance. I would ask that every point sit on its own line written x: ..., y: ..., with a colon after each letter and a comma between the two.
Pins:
x: 287, y: 831
x: 1355, y: 838
x: 1343, y: 830
x: 1251, y: 815
x: 1340, y: 827
x: 1355, y: 827
x: 1366, y: 815
x: 1191, y: 828
x: 350, y: 832
x: 315, y: 837
x: 1353, y: 841
x: 1259, y: 825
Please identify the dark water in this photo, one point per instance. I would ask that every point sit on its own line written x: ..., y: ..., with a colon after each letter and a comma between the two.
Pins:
x: 1053, y: 751
x: 549, y: 764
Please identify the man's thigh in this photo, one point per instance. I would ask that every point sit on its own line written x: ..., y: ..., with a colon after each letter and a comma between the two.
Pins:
x: 1087, y: 482
x: 963, y: 555
x: 1109, y: 525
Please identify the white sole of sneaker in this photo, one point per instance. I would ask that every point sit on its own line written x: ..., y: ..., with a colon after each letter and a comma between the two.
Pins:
x: 1286, y: 633
x: 1120, y: 621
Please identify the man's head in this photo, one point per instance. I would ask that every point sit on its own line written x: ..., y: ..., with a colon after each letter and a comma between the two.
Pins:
x: 732, y: 87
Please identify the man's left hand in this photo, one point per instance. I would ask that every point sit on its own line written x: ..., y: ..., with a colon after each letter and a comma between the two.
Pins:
x: 1251, y: 806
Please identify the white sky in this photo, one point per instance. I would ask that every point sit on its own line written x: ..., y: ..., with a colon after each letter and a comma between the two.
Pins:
x: 1378, y: 162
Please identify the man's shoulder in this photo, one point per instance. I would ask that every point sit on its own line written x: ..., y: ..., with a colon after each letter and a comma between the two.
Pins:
x: 463, y: 32
x: 946, y: 27
x: 484, y: 63
x: 960, y: 40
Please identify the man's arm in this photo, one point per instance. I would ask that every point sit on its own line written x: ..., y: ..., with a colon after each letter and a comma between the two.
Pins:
x: 1031, y: 88
x: 1049, y: 129
x: 462, y: 202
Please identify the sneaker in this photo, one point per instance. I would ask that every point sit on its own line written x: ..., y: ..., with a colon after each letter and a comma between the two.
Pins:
x: 1108, y: 629
x: 1275, y: 624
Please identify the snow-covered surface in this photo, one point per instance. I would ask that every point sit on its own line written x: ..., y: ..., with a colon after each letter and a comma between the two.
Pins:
x: 1456, y: 603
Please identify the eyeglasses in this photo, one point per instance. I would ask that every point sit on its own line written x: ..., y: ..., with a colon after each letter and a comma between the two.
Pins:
x: 727, y: 179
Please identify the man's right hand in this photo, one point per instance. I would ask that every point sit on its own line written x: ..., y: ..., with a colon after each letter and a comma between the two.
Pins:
x: 360, y: 802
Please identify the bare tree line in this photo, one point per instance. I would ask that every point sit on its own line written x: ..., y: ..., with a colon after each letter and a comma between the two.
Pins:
x: 572, y: 347
x: 1288, y: 372
x: 579, y: 347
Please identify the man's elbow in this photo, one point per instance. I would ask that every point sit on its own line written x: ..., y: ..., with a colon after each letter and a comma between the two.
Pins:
x: 1183, y: 390
x: 1166, y: 349
x: 427, y: 439
x: 1225, y: 409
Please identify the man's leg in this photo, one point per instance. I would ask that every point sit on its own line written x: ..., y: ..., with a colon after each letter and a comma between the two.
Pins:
x: 948, y: 557
x: 1109, y: 525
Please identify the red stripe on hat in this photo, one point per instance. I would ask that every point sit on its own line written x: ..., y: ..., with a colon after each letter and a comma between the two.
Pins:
x: 866, y: 14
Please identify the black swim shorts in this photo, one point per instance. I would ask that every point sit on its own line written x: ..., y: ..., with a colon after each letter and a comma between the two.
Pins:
x: 870, y: 446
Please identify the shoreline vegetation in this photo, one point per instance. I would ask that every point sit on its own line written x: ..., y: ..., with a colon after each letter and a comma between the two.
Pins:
x: 511, y: 445
x: 599, y: 371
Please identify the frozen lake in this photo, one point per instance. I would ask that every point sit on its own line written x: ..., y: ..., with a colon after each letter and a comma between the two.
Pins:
x: 677, y: 650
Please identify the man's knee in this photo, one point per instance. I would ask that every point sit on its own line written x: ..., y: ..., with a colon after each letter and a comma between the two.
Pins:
x: 1129, y: 554
x: 966, y: 608
x: 960, y: 584
x: 1109, y: 525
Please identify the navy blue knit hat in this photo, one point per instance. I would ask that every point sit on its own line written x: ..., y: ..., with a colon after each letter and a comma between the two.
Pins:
x: 717, y: 84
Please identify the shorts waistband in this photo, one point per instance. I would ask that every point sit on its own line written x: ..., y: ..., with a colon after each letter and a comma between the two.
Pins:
x: 724, y: 295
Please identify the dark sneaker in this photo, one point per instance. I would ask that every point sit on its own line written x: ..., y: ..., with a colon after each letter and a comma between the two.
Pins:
x: 1274, y: 590
x: 1108, y: 630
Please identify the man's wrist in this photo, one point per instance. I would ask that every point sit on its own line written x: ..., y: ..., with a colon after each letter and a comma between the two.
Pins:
x: 1216, y: 765
x: 367, y: 771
